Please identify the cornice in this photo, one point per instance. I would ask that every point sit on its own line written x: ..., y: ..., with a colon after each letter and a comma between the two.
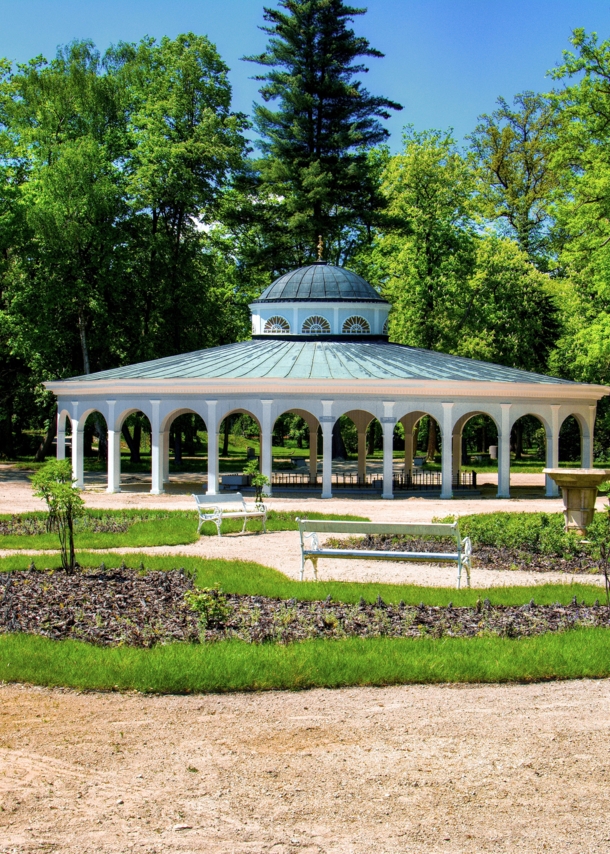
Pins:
x: 291, y: 387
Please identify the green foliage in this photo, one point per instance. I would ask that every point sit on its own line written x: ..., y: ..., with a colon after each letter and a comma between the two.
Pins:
x: 252, y: 579
x: 315, y: 144
x: 55, y: 483
x: 426, y: 258
x: 211, y: 604
x: 237, y: 666
x: 511, y: 150
x: 258, y: 480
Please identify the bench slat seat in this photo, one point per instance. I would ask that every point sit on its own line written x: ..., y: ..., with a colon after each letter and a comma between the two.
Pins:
x: 215, y: 508
x: 310, y: 528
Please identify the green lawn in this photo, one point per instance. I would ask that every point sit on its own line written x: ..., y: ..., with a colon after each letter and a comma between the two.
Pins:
x: 253, y: 579
x: 237, y: 666
x: 155, y: 528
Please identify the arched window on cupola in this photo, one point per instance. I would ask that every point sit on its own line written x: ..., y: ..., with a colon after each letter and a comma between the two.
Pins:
x: 385, y: 329
x: 356, y: 325
x: 277, y: 326
x: 316, y: 325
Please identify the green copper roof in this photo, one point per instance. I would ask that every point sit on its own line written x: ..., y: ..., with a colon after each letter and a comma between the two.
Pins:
x: 319, y: 360
x: 320, y: 282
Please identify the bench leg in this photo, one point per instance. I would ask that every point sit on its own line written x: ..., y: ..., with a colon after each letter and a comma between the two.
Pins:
x: 218, y: 524
x: 314, y: 561
x: 459, y: 578
x: 265, y: 524
x: 243, y: 527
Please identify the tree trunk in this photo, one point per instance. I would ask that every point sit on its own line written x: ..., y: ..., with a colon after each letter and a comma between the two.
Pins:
x: 83, y: 344
x: 432, y: 443
x: 133, y: 443
x: 371, y: 443
x: 177, y: 446
x: 519, y: 440
x: 46, y: 445
x: 338, y: 451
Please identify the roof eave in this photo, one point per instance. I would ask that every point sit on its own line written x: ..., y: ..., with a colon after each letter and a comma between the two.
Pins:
x: 417, y: 388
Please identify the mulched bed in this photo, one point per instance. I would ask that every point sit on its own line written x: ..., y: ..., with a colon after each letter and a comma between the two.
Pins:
x: 24, y: 525
x: 484, y: 557
x: 126, y: 607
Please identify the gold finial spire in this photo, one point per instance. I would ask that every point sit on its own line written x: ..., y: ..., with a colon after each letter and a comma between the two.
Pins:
x: 320, y: 247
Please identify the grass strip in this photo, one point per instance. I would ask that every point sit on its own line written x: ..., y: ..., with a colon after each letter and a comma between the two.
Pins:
x: 237, y: 666
x: 253, y: 579
x: 160, y: 528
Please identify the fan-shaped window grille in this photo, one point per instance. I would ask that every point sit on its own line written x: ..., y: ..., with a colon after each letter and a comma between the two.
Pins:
x: 316, y: 325
x: 277, y: 326
x: 385, y: 329
x: 356, y: 325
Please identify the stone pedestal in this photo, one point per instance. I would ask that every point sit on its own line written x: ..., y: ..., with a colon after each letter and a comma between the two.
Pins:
x: 579, y: 490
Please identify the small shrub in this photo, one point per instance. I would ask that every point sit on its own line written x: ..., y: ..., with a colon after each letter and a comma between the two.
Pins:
x: 211, y: 605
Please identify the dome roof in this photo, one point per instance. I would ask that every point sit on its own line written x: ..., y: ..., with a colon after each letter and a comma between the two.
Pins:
x: 319, y: 282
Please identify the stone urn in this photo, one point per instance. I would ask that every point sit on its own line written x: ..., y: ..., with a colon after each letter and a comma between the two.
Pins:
x: 579, y: 490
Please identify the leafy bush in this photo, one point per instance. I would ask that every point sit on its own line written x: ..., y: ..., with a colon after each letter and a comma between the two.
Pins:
x: 211, y: 605
x: 538, y: 533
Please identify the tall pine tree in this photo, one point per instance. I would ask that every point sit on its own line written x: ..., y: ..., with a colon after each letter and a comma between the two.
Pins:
x: 315, y: 143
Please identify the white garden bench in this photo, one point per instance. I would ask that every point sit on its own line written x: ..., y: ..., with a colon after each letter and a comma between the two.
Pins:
x: 215, y: 508
x: 310, y: 528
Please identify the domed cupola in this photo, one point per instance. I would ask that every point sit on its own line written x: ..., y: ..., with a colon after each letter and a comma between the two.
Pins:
x: 320, y: 302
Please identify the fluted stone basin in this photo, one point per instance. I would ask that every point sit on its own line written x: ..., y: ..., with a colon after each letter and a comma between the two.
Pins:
x: 579, y: 490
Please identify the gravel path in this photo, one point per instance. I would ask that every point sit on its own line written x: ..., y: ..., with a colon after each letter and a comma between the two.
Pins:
x: 498, y: 768
x: 281, y: 550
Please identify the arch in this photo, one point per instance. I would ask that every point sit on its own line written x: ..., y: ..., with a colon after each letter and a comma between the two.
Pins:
x: 276, y: 325
x: 309, y: 475
x: 356, y: 325
x: 484, y: 440
x: 569, y: 437
x: 78, y: 440
x: 316, y: 325
x: 171, y: 440
x: 386, y: 327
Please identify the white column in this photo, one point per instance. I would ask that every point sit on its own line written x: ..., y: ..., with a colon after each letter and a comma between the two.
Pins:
x: 267, y: 443
x: 447, y: 455
x: 211, y: 424
x: 504, y: 452
x: 327, y: 455
x: 387, y: 423
x: 165, y: 451
x: 362, y: 455
x: 552, y: 451
x: 313, y: 453
x: 78, y: 442
x: 156, y: 447
x: 114, y: 461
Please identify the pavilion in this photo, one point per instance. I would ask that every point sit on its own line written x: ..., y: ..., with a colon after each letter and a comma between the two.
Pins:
x: 320, y: 349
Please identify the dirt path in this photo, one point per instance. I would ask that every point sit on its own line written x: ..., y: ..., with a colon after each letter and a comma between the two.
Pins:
x: 281, y: 550
x: 425, y: 768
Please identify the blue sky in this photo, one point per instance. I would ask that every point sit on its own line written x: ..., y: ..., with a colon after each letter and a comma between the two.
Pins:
x: 446, y: 60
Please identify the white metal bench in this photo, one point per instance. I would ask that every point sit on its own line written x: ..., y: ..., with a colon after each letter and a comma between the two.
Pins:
x: 215, y: 508
x: 309, y: 529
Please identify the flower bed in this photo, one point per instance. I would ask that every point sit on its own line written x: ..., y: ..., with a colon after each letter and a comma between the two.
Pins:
x: 127, y: 607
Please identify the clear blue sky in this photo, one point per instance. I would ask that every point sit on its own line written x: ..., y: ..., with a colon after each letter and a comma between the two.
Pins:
x: 446, y: 60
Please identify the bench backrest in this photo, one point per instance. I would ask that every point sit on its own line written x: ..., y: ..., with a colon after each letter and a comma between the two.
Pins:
x: 218, y: 500
x: 416, y: 529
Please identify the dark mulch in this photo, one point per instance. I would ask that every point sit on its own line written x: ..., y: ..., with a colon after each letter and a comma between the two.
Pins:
x: 125, y: 607
x: 24, y: 525
x: 484, y: 557
x: 120, y: 606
